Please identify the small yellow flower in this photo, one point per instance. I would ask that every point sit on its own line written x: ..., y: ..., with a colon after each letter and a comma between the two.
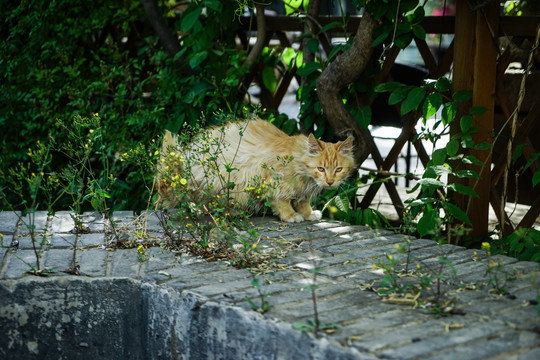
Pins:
x: 396, y: 246
x: 140, y: 249
x: 183, y: 182
x: 156, y: 152
x: 91, y: 131
x: 486, y: 246
x: 390, y: 257
x: 418, y: 266
x: 374, y: 266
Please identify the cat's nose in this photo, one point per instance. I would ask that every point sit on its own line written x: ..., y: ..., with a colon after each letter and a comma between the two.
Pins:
x: 329, y: 182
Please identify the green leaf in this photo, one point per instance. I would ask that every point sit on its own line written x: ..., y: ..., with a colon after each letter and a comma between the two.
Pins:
x: 443, y: 84
x: 431, y: 105
x: 388, y: 86
x: 536, y: 178
x: 381, y: 33
x: 466, y: 123
x: 448, y: 113
x: 214, y: 5
x: 363, y: 116
x: 290, y: 127
x: 477, y: 110
x: 299, y: 58
x: 332, y: 25
x: 473, y: 160
x: 463, y: 189
x: 342, y: 203
x: 429, y: 182
x: 313, y: 45
x: 417, y: 16
x: 269, y: 78
x: 414, y: 98
x: 403, y: 40
x: 440, y: 169
x: 462, y: 95
x: 428, y: 223
x: 419, y: 32
x: 452, y: 147
x: 197, y: 59
x: 287, y: 56
x: 292, y: 5
x: 467, y: 174
x: 483, y: 146
x: 308, y: 68
x: 439, y: 156
x: 398, y: 95
x: 531, y: 160
x: 189, y: 19
x: 456, y: 212
x: 517, y: 153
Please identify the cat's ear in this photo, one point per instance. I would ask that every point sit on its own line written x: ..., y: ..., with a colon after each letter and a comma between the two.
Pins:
x: 346, y: 146
x: 314, y: 145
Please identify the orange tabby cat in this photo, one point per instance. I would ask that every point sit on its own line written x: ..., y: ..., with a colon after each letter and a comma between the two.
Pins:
x: 296, y: 168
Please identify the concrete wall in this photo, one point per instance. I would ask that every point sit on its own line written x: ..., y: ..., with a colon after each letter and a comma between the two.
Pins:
x: 118, y: 318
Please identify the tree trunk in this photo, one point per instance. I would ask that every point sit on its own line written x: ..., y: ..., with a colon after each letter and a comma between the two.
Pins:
x: 344, y: 70
x: 166, y: 36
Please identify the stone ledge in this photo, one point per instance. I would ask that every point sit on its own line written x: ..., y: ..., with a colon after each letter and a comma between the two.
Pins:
x: 218, y: 321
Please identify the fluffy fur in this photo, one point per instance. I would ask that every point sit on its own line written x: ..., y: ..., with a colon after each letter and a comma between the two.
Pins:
x: 258, y: 149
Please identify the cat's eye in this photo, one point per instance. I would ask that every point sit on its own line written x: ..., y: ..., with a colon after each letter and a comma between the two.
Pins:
x: 320, y: 168
x: 338, y: 169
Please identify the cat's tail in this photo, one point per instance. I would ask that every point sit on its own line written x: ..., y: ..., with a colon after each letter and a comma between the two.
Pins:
x: 169, y: 147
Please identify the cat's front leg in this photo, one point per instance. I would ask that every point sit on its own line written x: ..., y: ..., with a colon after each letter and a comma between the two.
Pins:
x: 304, y: 208
x: 285, y: 211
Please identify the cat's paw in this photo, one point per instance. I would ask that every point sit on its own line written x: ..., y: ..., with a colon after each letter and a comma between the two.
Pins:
x: 315, y: 215
x: 294, y: 219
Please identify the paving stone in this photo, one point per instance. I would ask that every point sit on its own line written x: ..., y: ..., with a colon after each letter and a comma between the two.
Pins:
x: 59, y: 259
x: 125, y: 262
x: 92, y: 262
x: 18, y: 262
x: 8, y: 222
x: 93, y: 239
x: 225, y: 287
x: 501, y: 346
x: 475, y: 332
x: 191, y: 282
x: 27, y: 242
x: 63, y: 222
x: 59, y: 240
x: 491, y: 326
x: 94, y: 221
x: 159, y: 259
x: 153, y: 220
x: 33, y: 221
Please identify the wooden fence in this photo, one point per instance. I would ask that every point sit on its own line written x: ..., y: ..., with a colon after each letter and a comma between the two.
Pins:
x: 477, y: 63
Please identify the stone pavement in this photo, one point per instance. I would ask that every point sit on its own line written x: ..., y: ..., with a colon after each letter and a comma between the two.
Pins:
x: 176, y: 305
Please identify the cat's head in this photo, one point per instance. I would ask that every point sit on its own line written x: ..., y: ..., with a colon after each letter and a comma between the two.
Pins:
x: 330, y: 163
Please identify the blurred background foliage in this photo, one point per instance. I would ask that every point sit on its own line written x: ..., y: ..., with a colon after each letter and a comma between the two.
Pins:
x: 65, y: 58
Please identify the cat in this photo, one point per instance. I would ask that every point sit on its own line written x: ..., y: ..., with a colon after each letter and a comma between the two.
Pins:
x: 291, y: 169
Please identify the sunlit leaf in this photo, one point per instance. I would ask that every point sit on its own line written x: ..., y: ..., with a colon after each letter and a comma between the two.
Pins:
x: 431, y: 105
x: 414, y: 98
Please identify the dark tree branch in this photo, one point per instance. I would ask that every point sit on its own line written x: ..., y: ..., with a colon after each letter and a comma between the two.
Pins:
x: 261, y: 36
x: 166, y: 36
x: 344, y: 70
